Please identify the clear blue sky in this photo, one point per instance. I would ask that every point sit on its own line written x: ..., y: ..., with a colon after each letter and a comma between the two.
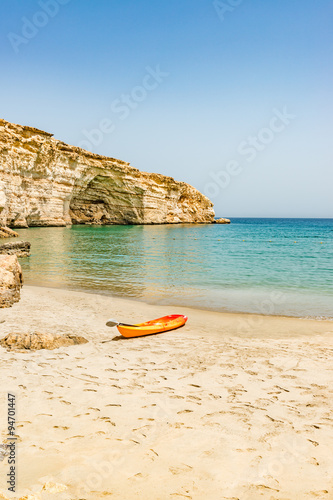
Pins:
x: 240, y: 107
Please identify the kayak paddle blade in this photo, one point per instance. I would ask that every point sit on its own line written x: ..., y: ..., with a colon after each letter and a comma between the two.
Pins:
x: 112, y: 322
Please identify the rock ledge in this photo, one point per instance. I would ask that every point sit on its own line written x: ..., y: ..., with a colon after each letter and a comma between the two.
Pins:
x: 222, y: 221
x: 19, y: 248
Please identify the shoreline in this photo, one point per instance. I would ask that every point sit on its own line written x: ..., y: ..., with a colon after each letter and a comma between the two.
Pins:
x: 245, y: 322
x: 157, y: 304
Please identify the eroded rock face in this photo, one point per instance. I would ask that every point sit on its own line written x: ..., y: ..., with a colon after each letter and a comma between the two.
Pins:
x: 45, y: 182
x: 11, y: 280
x: 37, y: 340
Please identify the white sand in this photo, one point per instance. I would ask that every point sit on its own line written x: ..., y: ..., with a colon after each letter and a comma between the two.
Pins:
x: 228, y: 407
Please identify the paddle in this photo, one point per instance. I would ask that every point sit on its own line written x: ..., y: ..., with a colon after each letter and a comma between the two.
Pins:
x: 113, y: 322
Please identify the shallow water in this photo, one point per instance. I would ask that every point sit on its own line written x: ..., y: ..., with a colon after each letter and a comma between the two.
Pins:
x: 270, y: 266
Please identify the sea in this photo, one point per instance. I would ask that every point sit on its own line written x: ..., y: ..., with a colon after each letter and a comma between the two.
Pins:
x: 253, y: 265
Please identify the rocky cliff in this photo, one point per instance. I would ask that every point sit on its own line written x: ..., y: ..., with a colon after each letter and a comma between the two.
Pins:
x: 45, y: 182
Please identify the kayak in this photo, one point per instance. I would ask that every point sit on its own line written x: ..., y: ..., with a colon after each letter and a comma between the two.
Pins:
x: 154, y: 326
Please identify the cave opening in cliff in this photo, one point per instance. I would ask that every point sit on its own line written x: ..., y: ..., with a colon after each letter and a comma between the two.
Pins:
x: 103, y: 201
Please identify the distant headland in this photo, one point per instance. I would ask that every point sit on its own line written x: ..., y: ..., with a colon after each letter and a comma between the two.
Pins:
x: 45, y: 182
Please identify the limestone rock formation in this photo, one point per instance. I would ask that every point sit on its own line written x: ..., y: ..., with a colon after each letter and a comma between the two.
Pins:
x: 45, y: 182
x: 6, y: 232
x: 223, y: 221
x: 19, y: 248
x: 11, y: 280
x: 37, y: 340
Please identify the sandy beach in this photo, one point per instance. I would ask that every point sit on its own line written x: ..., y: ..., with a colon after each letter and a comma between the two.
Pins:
x: 231, y: 406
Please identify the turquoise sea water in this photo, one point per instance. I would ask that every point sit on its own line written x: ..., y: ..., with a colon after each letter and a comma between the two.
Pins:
x: 270, y: 266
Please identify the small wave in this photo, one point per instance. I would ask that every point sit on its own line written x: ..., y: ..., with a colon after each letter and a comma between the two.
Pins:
x: 318, y: 318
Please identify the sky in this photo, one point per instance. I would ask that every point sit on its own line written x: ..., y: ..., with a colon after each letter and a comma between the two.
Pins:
x: 233, y: 97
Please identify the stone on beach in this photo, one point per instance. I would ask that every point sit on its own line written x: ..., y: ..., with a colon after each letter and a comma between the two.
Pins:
x: 35, y: 341
x: 11, y: 280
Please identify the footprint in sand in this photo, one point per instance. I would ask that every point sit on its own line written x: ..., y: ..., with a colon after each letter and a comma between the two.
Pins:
x: 180, y: 495
x: 22, y: 423
x: 180, y: 469
x: 107, y: 420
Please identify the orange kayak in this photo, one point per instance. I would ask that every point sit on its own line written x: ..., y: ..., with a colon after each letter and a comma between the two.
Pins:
x: 154, y: 326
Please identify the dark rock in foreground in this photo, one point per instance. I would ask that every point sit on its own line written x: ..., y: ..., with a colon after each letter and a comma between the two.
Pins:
x: 37, y: 340
x: 19, y: 248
